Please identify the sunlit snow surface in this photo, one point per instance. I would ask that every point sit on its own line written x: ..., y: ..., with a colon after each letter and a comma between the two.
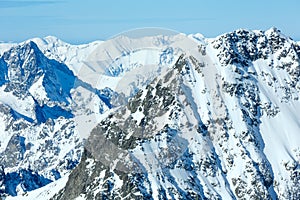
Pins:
x: 126, y: 65
x: 45, y: 192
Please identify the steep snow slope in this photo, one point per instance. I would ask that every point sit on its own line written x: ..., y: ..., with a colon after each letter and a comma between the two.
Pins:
x: 71, y: 55
x: 38, y: 104
x: 191, y: 118
x: 45, y: 192
x: 125, y: 64
x: 45, y: 108
x: 122, y: 64
x: 222, y: 124
x: 5, y: 46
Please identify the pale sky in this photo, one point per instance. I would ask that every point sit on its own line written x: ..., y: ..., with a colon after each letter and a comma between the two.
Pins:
x: 81, y: 21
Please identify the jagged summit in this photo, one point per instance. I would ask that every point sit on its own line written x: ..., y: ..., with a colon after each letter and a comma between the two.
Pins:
x: 186, y: 135
x: 39, y: 103
x: 26, y: 64
x: 243, y: 45
x: 178, y: 117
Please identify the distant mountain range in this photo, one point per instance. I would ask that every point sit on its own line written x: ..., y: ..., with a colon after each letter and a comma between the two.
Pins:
x: 157, y: 117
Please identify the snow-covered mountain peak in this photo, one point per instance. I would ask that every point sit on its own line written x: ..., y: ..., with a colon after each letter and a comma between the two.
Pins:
x: 5, y: 47
x: 273, y: 31
x: 26, y: 64
x: 63, y: 52
x: 52, y: 39
x: 163, y: 117
x: 46, y: 40
x: 243, y: 45
x: 204, y: 128
x: 22, y: 64
x: 40, y: 100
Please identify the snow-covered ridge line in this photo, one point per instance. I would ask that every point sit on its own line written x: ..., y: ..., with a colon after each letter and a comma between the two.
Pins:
x: 218, y: 113
x: 204, y: 117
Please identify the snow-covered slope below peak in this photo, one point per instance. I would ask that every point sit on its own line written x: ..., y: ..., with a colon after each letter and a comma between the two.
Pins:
x: 199, y: 118
x: 222, y: 124
x: 122, y: 63
x: 5, y: 47
x: 242, y: 46
x: 126, y: 64
x: 71, y: 55
x: 39, y: 103
x: 46, y: 192
x: 24, y: 64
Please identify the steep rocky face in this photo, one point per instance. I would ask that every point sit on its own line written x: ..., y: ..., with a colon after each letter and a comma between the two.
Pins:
x: 26, y: 64
x: 39, y: 99
x: 130, y: 129
x: 43, y: 105
x: 216, y: 126
x: 220, y: 123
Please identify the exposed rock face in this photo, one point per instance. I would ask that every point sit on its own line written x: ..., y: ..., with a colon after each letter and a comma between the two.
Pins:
x: 221, y: 123
x: 199, y: 130
x: 38, y: 140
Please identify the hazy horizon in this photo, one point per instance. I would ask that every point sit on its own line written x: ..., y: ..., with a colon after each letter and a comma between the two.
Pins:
x: 84, y: 21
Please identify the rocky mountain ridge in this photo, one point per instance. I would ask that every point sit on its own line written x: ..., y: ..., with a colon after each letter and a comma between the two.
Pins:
x: 217, y: 120
x: 39, y: 143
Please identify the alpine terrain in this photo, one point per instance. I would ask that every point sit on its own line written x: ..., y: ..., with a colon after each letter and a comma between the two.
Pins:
x: 155, y: 117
